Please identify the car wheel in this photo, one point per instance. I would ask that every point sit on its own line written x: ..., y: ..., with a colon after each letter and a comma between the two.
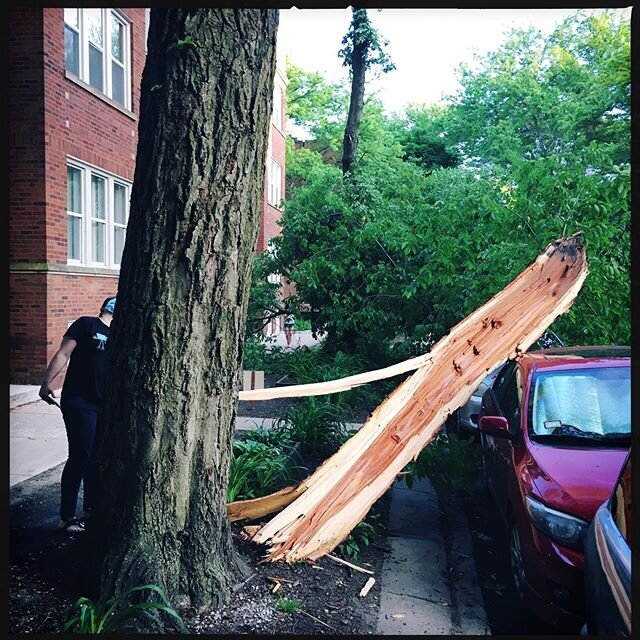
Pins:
x: 516, y: 561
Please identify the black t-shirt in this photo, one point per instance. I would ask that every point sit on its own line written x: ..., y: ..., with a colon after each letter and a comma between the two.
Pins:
x: 86, y: 374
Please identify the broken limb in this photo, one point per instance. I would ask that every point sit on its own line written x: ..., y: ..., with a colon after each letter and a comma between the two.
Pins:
x: 341, y: 491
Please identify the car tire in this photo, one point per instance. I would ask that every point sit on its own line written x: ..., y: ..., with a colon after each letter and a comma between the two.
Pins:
x: 516, y: 562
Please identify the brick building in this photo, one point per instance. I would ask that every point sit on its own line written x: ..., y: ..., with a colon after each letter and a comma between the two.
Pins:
x: 74, y: 98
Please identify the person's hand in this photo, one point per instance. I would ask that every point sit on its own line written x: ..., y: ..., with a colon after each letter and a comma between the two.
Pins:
x: 47, y: 394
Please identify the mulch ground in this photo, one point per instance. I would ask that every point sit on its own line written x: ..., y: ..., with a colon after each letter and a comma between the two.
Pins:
x: 319, y: 598
x: 313, y: 598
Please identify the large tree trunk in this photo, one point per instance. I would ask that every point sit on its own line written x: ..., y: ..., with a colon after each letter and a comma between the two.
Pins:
x: 176, y: 341
x: 356, y: 103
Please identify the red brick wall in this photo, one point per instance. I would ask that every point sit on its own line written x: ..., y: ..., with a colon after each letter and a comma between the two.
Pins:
x: 26, y: 136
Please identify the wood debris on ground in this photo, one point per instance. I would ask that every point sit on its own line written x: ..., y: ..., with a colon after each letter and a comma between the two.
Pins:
x: 323, y: 509
x: 367, y: 587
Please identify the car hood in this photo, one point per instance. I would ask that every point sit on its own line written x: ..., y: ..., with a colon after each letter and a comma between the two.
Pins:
x: 573, y: 480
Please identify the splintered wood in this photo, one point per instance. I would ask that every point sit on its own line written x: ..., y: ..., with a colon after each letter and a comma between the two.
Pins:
x: 326, y: 506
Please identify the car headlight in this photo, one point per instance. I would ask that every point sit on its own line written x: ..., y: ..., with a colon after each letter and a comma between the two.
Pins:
x: 561, y: 527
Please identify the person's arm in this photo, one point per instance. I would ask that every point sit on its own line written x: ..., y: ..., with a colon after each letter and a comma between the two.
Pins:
x: 56, y: 365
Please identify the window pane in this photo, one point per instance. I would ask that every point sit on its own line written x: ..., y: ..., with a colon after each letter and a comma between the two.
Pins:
x: 119, y: 204
x: 74, y: 190
x: 98, y: 238
x: 95, y: 68
x: 71, y: 51
x: 93, y: 19
x: 117, y: 39
x: 118, y: 244
x: 98, y: 208
x: 71, y: 17
x: 117, y: 82
x: 74, y: 238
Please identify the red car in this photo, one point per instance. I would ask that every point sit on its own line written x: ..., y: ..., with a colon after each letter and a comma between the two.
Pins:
x: 555, y: 430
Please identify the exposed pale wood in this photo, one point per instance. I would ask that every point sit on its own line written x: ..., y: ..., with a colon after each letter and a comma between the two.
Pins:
x: 258, y: 507
x: 340, y: 493
x: 333, y: 386
x: 355, y: 567
x: 367, y: 587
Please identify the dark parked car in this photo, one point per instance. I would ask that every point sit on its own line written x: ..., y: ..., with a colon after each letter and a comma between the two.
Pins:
x: 465, y: 419
x: 607, y: 563
x: 555, y: 429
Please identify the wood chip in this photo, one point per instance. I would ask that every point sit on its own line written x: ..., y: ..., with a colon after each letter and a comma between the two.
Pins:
x: 367, y: 587
x: 274, y: 579
x: 276, y: 587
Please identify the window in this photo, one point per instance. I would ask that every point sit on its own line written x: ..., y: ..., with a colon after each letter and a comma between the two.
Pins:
x: 276, y: 113
x: 96, y: 46
x: 275, y: 181
x: 97, y: 214
x: 506, y: 395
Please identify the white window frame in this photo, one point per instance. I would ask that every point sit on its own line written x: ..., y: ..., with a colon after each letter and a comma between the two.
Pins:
x: 86, y: 172
x: 107, y: 59
x: 274, y: 195
x: 276, y: 112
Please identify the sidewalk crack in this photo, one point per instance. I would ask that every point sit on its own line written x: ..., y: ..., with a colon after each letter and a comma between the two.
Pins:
x: 408, y: 595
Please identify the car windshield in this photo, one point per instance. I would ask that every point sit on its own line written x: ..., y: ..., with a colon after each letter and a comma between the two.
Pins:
x: 584, y: 403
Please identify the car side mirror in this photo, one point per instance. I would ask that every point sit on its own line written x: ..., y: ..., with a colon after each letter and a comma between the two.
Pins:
x: 495, y: 426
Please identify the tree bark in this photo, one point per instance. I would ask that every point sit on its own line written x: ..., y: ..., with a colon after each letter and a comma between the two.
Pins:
x: 176, y: 339
x: 356, y: 102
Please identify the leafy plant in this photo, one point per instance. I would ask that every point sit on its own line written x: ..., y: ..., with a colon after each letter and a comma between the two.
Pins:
x: 112, y: 615
x: 361, y: 535
x: 317, y: 424
x: 450, y: 462
x: 258, y: 468
x: 288, y: 605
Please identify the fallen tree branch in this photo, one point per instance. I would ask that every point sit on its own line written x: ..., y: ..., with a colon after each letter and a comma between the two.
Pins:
x: 355, y: 567
x: 327, y: 505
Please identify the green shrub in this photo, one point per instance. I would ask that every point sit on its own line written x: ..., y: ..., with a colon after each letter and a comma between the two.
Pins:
x: 317, y: 424
x: 450, y: 462
x: 361, y: 535
x: 113, y: 614
x: 257, y: 469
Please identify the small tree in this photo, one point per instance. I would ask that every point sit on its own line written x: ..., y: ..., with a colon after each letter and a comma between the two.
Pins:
x: 361, y: 51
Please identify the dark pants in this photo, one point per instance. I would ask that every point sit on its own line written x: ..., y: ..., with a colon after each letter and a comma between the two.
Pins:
x: 80, y: 419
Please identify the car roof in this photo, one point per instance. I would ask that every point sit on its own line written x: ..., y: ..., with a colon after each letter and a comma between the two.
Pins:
x: 572, y: 357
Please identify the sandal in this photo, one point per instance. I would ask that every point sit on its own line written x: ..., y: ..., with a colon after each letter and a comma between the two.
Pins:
x: 72, y: 525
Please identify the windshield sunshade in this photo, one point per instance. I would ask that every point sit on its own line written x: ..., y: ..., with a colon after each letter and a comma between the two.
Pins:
x: 583, y: 403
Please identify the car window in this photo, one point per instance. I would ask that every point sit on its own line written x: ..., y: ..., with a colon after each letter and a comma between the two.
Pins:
x: 509, y: 402
x: 502, y: 379
x: 507, y: 398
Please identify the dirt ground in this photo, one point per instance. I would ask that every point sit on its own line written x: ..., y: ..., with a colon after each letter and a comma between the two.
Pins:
x: 47, y: 575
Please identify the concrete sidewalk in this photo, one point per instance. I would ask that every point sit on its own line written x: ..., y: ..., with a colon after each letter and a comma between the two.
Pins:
x: 429, y: 582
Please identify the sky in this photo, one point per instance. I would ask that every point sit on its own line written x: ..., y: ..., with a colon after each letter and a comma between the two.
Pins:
x: 426, y: 45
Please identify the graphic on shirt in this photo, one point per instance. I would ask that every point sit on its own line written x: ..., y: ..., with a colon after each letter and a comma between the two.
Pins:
x: 102, y: 340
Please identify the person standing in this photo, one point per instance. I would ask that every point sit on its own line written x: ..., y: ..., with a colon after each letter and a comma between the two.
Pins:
x: 84, y: 346
x: 289, y: 321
